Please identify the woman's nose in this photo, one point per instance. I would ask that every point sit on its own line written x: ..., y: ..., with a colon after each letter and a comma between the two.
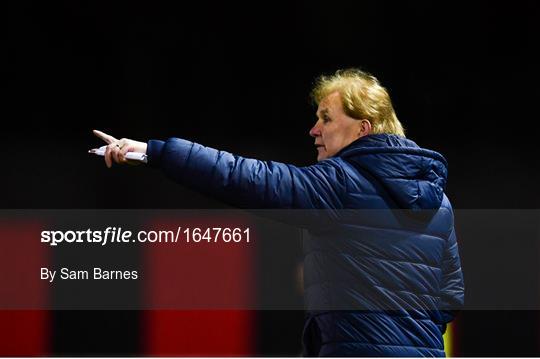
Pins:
x: 315, y: 131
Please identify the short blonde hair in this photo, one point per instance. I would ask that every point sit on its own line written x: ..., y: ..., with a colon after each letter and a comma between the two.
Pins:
x: 363, y: 97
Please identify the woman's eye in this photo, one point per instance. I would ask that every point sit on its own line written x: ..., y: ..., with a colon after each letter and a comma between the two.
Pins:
x: 326, y: 119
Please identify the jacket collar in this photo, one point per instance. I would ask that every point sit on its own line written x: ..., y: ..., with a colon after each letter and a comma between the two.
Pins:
x: 385, y: 143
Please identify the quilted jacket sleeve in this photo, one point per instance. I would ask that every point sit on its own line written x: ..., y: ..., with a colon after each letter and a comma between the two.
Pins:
x: 452, y: 291
x: 248, y: 183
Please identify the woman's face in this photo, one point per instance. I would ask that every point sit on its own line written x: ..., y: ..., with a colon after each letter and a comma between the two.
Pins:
x: 335, y: 130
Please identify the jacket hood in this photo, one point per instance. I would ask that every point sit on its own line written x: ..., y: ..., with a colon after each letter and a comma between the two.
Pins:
x: 414, y: 177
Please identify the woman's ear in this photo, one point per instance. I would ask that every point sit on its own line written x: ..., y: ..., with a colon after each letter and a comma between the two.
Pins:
x: 365, y: 128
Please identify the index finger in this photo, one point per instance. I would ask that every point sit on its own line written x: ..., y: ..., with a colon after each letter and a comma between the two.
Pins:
x: 104, y: 136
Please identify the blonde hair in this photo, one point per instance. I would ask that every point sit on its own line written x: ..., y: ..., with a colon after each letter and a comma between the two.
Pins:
x: 363, y: 97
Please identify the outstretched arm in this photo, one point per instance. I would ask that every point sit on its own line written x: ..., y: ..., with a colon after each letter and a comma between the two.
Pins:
x: 246, y: 182
x: 239, y: 181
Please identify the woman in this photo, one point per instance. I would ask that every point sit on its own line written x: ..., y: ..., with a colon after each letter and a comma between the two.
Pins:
x: 370, y: 289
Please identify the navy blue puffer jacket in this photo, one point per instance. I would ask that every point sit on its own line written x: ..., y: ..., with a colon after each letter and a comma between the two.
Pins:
x: 370, y: 289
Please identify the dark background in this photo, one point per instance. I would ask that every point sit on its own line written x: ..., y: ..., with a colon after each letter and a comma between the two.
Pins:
x: 236, y: 76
